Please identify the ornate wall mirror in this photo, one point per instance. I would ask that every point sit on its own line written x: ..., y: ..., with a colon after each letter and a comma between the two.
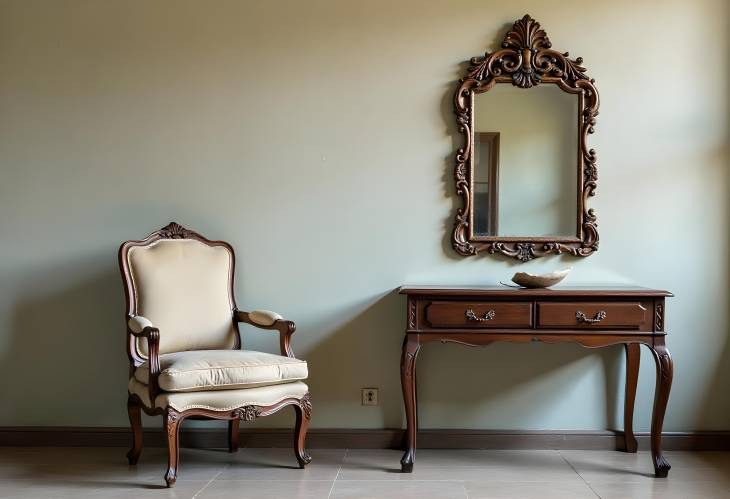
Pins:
x: 525, y: 172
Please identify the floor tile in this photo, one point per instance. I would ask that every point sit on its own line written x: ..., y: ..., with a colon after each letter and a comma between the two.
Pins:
x: 607, y: 466
x: 363, y: 489
x: 661, y: 489
x: 700, y: 459
x: 456, y: 457
x: 272, y: 473
x: 280, y: 464
x: 529, y: 490
x: 461, y: 474
x: 21, y: 489
x: 300, y: 489
x: 434, y: 465
x: 113, y: 467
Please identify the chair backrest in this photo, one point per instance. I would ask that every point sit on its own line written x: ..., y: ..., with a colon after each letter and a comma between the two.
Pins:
x: 183, y: 283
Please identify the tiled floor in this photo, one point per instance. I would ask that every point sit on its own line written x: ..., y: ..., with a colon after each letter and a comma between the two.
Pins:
x: 443, y: 474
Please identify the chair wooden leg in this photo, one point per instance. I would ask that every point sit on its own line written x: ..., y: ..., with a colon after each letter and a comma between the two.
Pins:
x: 135, y: 422
x: 303, y: 413
x: 172, y: 429
x: 233, y: 426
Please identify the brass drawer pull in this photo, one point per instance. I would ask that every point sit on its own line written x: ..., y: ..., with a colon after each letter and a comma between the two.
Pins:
x: 471, y: 316
x: 598, y: 318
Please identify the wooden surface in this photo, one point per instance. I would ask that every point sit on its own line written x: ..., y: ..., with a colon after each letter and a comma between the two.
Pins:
x: 616, y: 315
x: 500, y: 290
x: 593, y: 317
x: 525, y: 60
x: 485, y: 314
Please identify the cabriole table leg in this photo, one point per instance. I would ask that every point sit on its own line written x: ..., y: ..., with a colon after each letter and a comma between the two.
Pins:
x: 411, y: 346
x: 664, y: 374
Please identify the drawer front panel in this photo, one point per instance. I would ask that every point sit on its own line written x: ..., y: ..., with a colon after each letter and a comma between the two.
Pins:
x: 481, y: 315
x: 594, y: 315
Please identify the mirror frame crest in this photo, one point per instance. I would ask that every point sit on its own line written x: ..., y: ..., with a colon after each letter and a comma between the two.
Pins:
x: 525, y: 60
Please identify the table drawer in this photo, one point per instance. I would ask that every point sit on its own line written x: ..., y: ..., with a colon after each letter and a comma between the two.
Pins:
x: 593, y: 315
x: 479, y: 314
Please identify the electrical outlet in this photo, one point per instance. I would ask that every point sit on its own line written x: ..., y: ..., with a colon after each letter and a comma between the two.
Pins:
x: 369, y: 396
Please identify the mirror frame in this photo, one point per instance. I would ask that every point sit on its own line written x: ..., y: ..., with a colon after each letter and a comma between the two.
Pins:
x: 525, y: 60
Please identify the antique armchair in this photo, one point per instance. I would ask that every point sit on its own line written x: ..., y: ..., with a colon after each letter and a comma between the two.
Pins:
x: 184, y: 345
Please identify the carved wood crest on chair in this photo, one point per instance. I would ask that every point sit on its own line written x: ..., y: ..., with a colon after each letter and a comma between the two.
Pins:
x: 184, y: 344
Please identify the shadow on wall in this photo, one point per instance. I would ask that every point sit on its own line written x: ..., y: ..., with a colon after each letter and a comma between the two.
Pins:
x: 360, y: 347
x: 457, y: 142
x: 365, y: 351
x: 458, y: 382
x: 451, y: 377
x: 67, y: 341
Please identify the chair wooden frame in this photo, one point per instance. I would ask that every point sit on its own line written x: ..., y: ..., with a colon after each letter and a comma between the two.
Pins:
x: 172, y: 419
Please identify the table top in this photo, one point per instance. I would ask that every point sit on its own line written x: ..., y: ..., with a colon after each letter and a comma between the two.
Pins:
x: 509, y: 291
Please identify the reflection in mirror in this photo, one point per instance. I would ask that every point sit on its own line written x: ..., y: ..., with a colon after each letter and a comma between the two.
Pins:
x: 525, y: 162
x: 486, y: 154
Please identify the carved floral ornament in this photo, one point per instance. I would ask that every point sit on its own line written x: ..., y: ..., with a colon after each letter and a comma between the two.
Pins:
x: 174, y: 230
x: 306, y: 405
x: 246, y: 413
x: 525, y: 60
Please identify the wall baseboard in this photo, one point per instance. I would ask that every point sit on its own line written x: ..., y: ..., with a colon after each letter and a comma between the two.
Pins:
x: 59, y: 436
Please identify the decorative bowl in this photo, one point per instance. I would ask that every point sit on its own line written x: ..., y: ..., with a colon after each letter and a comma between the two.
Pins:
x: 527, y: 280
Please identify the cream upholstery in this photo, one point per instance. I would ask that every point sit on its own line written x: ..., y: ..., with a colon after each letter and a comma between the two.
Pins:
x: 179, y: 293
x: 138, y: 323
x: 183, y: 287
x: 264, y: 317
x: 222, y: 370
x: 220, y: 400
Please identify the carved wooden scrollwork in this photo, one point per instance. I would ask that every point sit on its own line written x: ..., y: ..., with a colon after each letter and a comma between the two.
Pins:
x: 172, y: 422
x: 174, y: 230
x: 665, y: 361
x: 408, y: 359
x: 411, y: 314
x: 306, y: 404
x: 246, y: 413
x: 526, y: 59
x: 659, y: 317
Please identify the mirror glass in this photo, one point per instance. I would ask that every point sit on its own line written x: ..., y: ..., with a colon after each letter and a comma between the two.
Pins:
x: 525, y: 162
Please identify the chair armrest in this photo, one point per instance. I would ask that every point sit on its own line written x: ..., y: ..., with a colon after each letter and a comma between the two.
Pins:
x: 142, y: 327
x: 264, y: 319
x: 137, y: 324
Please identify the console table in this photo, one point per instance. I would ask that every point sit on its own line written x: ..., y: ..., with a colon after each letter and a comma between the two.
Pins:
x: 593, y: 317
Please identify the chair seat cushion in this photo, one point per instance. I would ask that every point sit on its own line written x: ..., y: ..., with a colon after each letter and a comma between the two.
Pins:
x: 220, y: 400
x: 222, y: 370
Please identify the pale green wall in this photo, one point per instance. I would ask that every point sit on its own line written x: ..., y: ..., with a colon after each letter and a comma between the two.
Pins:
x: 317, y: 137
